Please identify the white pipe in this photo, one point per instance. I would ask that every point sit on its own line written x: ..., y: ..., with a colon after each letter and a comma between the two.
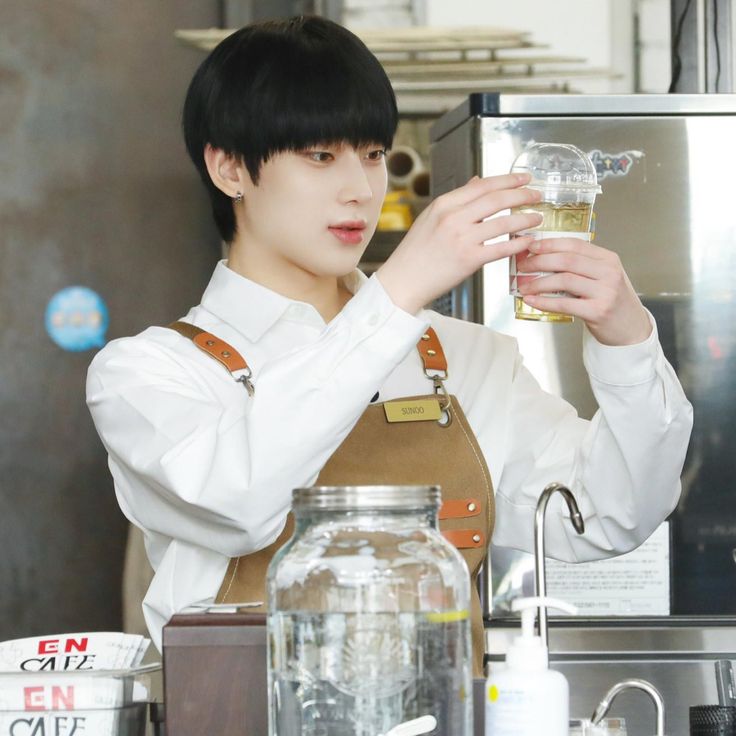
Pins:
x: 403, y: 163
x: 418, y: 188
x: 418, y: 185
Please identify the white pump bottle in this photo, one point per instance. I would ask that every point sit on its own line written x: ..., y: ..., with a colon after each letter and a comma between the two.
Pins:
x: 525, y: 697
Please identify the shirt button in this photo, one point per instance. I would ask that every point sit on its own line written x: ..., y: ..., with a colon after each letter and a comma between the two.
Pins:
x: 373, y: 320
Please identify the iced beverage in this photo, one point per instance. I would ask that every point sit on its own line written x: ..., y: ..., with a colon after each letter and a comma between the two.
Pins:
x: 567, y: 179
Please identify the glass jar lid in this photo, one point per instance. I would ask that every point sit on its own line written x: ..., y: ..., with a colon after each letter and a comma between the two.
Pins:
x: 348, y: 498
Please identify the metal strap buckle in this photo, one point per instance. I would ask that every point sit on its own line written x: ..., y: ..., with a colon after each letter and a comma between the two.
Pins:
x: 245, y: 380
x: 438, y: 379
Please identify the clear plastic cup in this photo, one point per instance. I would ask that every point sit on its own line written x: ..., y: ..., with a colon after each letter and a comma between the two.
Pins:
x: 567, y: 179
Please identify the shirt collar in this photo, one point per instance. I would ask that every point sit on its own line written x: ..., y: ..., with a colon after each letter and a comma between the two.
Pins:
x: 253, y: 309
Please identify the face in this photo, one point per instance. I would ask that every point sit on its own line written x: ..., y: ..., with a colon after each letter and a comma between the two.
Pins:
x: 313, y: 211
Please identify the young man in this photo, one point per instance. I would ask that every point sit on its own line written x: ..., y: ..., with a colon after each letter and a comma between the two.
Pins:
x: 288, y: 123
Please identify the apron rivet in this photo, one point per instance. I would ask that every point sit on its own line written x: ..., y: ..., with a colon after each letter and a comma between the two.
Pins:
x: 431, y: 352
x: 210, y: 342
x: 476, y: 538
x: 225, y: 353
x: 471, y: 507
x: 425, y: 337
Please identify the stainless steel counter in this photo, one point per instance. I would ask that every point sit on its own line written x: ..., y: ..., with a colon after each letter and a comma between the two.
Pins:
x: 215, y: 668
x: 676, y: 654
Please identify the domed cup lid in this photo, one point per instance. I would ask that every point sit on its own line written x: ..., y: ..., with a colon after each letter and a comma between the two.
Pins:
x: 557, y: 166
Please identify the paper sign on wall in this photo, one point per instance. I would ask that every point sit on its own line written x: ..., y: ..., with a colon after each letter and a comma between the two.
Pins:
x: 633, y: 584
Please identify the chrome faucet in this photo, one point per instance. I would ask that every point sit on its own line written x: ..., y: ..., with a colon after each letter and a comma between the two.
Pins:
x: 632, y: 684
x: 539, y: 556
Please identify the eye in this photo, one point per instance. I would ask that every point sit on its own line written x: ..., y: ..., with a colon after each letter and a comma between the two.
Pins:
x: 321, y: 157
x: 376, y: 154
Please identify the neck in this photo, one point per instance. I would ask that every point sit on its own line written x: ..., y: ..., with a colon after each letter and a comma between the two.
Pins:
x: 326, y: 294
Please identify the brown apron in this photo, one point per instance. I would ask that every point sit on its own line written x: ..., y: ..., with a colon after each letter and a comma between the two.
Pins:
x: 378, y: 452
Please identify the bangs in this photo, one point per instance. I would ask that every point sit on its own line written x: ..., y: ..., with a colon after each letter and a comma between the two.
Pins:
x: 312, y: 91
x: 325, y: 102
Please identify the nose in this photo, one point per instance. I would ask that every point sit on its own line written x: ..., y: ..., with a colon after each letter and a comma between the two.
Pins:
x: 354, y: 184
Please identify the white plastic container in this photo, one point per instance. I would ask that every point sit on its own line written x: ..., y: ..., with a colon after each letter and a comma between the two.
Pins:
x: 524, y: 697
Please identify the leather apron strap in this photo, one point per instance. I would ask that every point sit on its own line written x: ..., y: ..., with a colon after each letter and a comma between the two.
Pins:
x: 218, y: 349
x: 376, y: 452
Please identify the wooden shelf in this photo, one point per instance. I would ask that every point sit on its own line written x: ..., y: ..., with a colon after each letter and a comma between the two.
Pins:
x: 433, y: 69
x: 412, y: 38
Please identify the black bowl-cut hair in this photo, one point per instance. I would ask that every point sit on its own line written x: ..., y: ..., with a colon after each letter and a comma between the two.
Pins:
x: 284, y: 85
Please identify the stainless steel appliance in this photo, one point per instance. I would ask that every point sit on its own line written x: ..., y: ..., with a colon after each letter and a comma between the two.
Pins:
x: 665, y: 164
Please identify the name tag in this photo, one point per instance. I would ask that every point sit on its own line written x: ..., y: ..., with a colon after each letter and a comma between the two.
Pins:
x: 420, y: 410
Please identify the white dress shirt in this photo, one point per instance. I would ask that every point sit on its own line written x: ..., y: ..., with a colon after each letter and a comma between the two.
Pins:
x: 207, y: 472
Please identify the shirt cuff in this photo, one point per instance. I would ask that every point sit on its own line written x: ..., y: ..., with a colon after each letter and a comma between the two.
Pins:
x: 373, y: 307
x: 622, y: 365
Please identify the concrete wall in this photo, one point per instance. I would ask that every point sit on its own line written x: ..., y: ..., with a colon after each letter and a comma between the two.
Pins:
x: 599, y: 31
x: 95, y: 190
x: 655, y: 68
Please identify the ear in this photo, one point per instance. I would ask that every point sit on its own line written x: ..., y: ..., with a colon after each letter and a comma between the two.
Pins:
x: 226, y: 172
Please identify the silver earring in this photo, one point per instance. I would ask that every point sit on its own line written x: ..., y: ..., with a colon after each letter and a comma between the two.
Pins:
x: 238, y: 198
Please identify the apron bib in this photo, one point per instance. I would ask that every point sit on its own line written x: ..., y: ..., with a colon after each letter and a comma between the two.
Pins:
x: 382, y: 452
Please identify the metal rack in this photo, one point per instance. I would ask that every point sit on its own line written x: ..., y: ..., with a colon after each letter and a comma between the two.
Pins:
x: 433, y: 69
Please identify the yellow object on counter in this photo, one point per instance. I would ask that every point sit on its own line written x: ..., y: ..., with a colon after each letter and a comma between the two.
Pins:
x: 396, y: 212
x: 444, y: 617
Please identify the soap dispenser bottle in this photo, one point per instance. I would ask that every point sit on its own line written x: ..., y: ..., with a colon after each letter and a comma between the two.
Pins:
x: 525, y: 697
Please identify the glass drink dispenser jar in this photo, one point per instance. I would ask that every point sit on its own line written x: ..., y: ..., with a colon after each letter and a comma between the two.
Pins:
x: 368, y: 617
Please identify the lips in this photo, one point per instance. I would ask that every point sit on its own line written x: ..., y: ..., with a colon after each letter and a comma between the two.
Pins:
x: 349, y: 231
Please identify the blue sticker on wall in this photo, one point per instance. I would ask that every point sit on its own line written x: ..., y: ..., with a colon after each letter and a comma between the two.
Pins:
x: 77, y: 319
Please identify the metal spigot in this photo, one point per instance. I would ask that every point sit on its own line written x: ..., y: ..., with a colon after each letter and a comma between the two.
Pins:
x: 539, y: 556
x: 633, y: 684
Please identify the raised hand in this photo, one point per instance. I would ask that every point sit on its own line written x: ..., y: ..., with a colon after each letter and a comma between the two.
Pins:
x: 446, y: 242
x: 600, y: 292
